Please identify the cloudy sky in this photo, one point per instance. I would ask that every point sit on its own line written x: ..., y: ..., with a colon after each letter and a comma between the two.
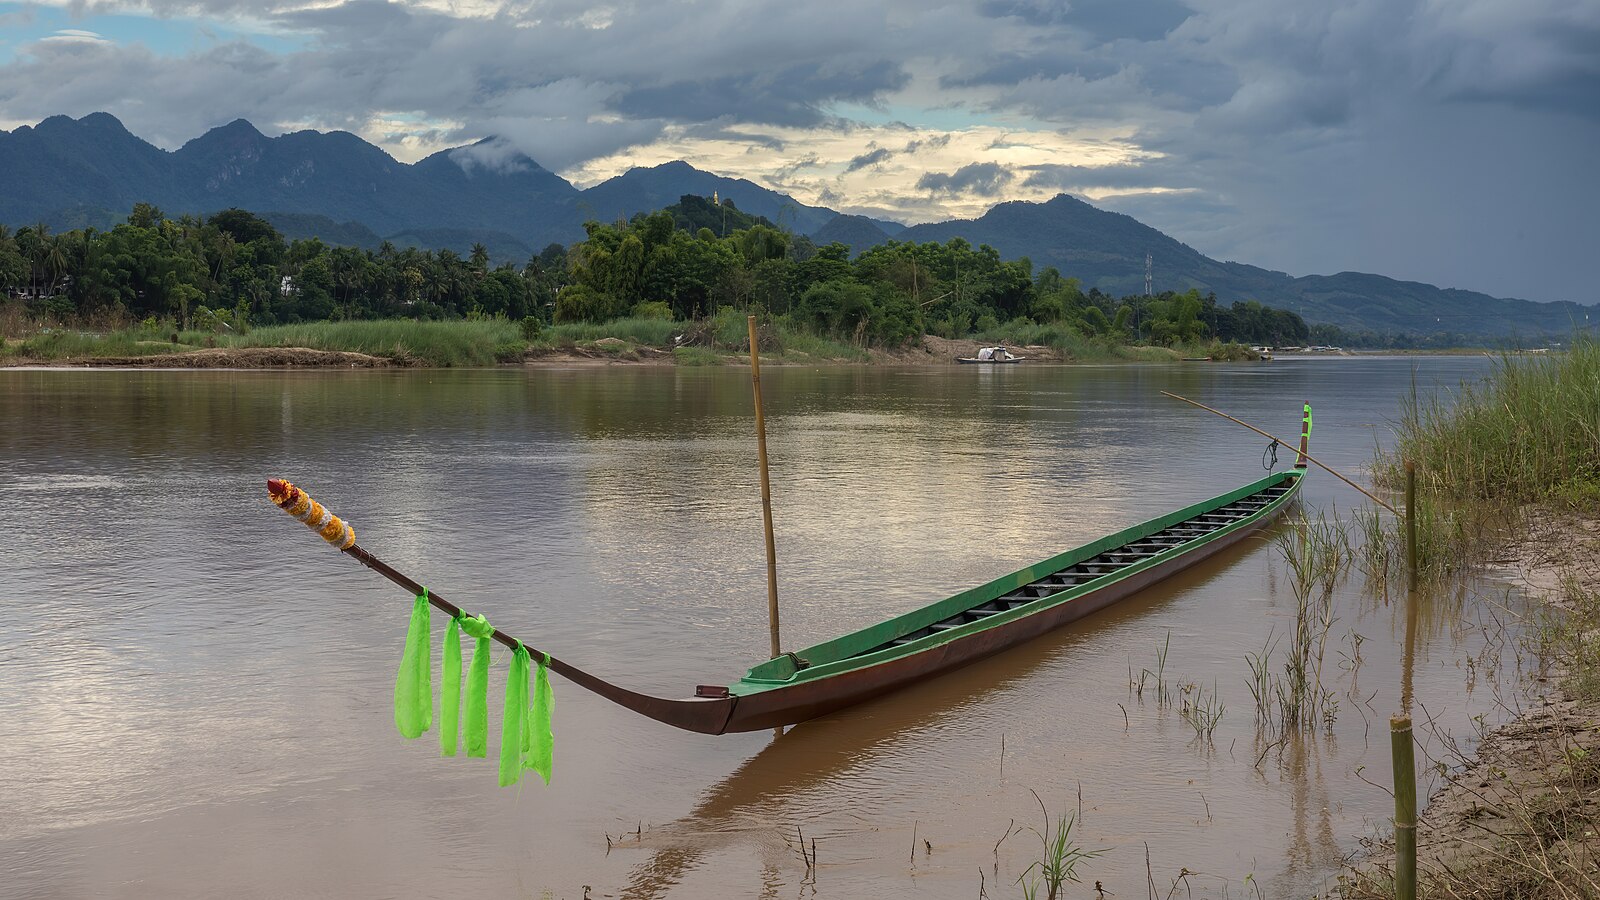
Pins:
x: 1450, y: 141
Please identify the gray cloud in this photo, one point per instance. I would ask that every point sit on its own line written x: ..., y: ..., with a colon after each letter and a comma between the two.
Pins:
x: 1079, y: 178
x: 1299, y: 133
x: 982, y: 179
x: 497, y: 155
x: 933, y: 143
x: 870, y: 158
x: 1106, y: 20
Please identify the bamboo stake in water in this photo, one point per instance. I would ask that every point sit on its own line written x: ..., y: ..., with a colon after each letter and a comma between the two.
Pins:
x: 1411, y: 526
x: 766, y: 490
x: 1309, y: 458
x: 1405, y: 809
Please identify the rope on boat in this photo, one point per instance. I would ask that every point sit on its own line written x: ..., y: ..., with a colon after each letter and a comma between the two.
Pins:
x: 1272, y: 449
x: 1306, y: 423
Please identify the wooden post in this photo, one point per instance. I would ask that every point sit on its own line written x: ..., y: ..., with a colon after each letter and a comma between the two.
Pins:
x: 1405, y: 809
x: 1305, y: 438
x: 1411, y: 525
x: 766, y: 491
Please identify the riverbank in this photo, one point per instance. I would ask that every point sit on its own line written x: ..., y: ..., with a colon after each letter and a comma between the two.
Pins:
x: 483, y: 343
x: 1521, y: 815
x: 1508, y: 475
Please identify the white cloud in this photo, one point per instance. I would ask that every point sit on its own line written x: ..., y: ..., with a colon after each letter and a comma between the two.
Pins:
x: 816, y: 167
x: 75, y: 36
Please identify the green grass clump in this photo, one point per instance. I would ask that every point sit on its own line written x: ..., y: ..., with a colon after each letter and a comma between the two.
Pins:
x: 1529, y: 431
x: 456, y: 343
x: 60, y: 344
x: 799, y: 341
x: 650, y: 332
x: 1223, y: 351
x: 696, y: 356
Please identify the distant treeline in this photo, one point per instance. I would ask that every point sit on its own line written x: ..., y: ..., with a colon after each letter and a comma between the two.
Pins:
x: 684, y: 262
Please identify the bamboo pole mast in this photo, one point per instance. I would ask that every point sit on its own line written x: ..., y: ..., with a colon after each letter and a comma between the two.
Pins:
x: 1304, y: 456
x: 766, y: 491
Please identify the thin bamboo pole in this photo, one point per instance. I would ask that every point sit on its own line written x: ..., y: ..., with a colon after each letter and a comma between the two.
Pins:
x: 1405, y: 809
x: 1411, y: 526
x: 1408, y: 659
x: 766, y: 490
x: 1308, y: 457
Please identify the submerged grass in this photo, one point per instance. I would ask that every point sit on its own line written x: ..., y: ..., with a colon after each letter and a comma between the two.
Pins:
x: 1319, y: 554
x: 1059, y: 858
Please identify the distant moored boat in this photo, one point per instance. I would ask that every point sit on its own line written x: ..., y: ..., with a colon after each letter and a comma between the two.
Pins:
x: 992, y: 356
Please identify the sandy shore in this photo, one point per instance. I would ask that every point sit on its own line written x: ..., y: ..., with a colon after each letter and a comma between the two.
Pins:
x: 1519, y: 818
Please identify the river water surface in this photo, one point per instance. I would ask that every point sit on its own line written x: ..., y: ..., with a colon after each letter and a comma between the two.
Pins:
x: 195, y: 691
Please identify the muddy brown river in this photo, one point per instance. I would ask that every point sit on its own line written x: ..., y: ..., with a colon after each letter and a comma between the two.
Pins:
x: 195, y: 691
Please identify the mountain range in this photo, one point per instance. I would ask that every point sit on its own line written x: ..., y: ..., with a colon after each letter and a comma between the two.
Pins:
x: 72, y: 173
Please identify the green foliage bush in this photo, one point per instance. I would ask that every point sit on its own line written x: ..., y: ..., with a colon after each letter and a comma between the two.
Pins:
x: 654, y: 309
x: 698, y: 262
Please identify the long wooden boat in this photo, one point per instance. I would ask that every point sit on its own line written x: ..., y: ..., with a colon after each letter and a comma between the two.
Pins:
x: 937, y: 638
x: 980, y: 622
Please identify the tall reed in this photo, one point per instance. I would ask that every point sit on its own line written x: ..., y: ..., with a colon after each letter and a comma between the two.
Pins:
x: 1528, y: 431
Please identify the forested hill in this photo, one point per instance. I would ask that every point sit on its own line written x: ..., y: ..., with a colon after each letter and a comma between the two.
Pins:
x: 1107, y: 250
x: 90, y: 172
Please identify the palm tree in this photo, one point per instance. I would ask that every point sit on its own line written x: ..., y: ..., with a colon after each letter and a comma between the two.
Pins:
x: 30, y: 244
x: 53, y: 259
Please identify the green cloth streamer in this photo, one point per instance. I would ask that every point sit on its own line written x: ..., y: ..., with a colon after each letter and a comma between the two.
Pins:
x: 539, y: 749
x: 413, y: 685
x: 1308, y: 420
x: 514, y: 728
x: 450, y: 690
x: 477, y: 720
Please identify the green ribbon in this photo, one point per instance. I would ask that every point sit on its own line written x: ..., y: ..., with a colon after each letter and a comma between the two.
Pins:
x: 477, y: 720
x: 515, y: 733
x: 450, y: 690
x: 539, y: 747
x: 413, y: 688
x: 1308, y: 420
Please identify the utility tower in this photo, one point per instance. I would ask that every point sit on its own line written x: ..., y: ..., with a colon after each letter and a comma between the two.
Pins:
x: 1147, y: 261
